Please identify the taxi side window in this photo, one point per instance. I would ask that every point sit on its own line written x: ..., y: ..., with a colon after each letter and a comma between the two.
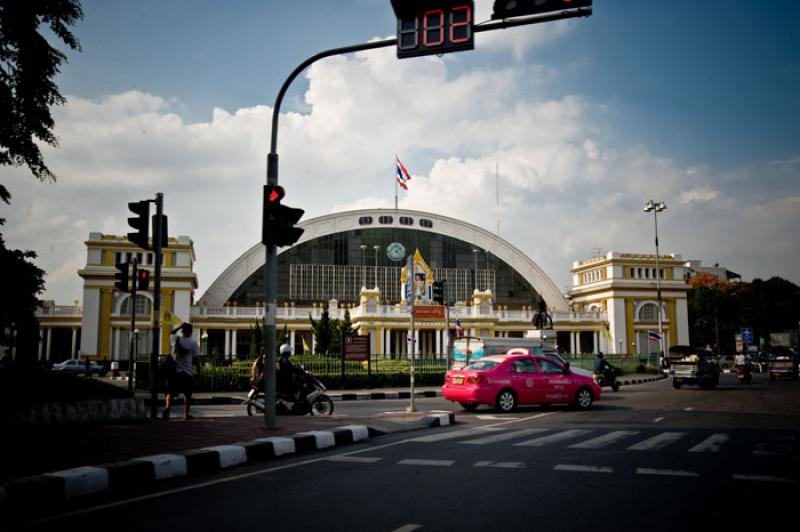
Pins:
x: 524, y: 365
x: 549, y: 367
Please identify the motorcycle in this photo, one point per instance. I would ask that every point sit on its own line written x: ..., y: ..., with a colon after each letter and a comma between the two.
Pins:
x: 309, y: 399
x: 608, y: 378
x: 744, y: 373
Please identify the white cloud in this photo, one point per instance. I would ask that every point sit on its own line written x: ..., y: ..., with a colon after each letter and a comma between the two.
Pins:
x: 565, y: 188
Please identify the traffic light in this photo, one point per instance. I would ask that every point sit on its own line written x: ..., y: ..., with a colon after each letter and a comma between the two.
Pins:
x: 142, y: 279
x: 123, y: 271
x: 278, y: 224
x: 140, y: 222
x: 438, y: 292
x: 518, y: 8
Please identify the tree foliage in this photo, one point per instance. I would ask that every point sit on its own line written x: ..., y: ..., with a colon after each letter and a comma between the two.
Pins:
x: 718, y: 310
x: 28, y: 65
x: 20, y: 284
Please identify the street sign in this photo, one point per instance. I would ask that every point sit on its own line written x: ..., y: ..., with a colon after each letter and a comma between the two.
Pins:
x: 356, y: 347
x: 747, y: 335
x: 428, y: 312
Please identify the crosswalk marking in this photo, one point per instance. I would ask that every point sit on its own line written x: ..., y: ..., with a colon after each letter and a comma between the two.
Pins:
x: 441, y: 436
x: 547, y: 440
x: 353, y: 459
x: 657, y: 442
x: 583, y: 468
x: 500, y: 465
x: 665, y: 472
x: 418, y: 462
x: 712, y: 444
x: 503, y: 436
x: 606, y: 439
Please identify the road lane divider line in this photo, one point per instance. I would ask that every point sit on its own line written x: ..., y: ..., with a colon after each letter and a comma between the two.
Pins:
x: 657, y: 442
x: 764, y: 478
x: 712, y: 444
x: 604, y: 440
x: 503, y: 436
x: 553, y: 438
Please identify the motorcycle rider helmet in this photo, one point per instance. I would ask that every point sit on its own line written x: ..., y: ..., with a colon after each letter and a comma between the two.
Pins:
x: 286, y: 348
x: 600, y: 354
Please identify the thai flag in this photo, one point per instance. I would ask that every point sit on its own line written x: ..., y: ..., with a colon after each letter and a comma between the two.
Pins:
x: 402, y: 174
x: 459, y: 328
x: 653, y: 335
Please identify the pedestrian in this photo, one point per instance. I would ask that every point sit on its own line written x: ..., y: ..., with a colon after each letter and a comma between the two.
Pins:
x: 186, y: 352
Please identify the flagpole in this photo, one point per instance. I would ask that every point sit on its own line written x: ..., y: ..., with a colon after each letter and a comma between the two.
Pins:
x: 395, y: 181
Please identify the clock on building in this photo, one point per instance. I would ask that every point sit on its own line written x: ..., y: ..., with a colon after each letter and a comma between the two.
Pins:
x: 396, y: 251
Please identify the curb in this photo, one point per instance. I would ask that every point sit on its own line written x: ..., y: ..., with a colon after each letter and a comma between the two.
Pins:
x: 642, y: 381
x: 128, y: 475
x: 368, y: 396
x: 61, y: 486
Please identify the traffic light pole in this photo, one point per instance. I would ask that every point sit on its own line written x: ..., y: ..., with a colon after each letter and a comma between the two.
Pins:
x: 131, y: 345
x: 271, y: 259
x: 156, y: 327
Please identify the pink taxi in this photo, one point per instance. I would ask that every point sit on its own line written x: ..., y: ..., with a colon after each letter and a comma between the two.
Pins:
x: 506, y: 381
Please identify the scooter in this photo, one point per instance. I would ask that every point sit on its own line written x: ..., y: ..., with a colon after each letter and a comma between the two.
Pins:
x: 310, y: 399
x: 608, y: 378
x: 744, y: 373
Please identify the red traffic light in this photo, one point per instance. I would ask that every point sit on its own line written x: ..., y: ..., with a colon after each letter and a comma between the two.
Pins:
x: 273, y: 194
x: 142, y: 279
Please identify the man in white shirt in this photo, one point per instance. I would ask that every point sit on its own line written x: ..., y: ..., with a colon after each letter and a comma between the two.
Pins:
x: 186, y: 352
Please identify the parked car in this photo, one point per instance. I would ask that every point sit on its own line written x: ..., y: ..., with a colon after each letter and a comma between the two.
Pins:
x: 79, y: 367
x: 506, y: 381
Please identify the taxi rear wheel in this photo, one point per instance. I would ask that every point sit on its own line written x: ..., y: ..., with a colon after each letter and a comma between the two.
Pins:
x: 506, y: 401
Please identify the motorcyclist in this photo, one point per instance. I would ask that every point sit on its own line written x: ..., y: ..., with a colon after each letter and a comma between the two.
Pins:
x: 743, y: 360
x: 604, y: 367
x: 286, y: 374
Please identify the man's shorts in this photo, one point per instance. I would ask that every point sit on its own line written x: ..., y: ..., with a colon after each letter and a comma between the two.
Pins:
x: 181, y: 383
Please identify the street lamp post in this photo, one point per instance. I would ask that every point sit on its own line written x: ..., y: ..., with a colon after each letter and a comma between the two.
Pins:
x: 377, y: 248
x: 656, y: 207
x: 475, y: 253
x: 363, y: 271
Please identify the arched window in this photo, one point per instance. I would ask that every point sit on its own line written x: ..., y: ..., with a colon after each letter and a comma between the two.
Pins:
x: 648, y: 312
x: 142, y: 306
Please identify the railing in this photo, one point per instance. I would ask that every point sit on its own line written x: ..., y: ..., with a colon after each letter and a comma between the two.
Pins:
x: 60, y: 310
x: 386, y: 311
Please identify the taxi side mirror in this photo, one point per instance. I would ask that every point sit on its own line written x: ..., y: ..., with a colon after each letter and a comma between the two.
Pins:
x: 567, y: 371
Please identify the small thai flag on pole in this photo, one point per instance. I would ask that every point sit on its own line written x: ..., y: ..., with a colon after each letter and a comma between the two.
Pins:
x: 402, y: 174
x: 653, y: 335
x: 459, y: 328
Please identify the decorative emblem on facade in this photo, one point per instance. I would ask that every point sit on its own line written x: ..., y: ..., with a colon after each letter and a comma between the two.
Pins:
x: 395, y: 251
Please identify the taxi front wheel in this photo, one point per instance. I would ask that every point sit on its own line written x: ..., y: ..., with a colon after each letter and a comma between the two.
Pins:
x: 506, y: 401
x: 584, y: 398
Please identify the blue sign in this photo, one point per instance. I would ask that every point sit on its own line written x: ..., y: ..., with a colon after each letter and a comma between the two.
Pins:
x: 747, y: 335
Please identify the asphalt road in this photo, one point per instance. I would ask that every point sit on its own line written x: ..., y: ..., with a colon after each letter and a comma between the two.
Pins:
x: 647, y: 457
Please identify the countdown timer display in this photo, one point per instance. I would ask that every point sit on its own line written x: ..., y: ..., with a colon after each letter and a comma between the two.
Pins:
x: 434, y: 27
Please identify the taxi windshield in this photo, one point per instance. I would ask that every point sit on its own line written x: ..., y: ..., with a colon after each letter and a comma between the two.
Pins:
x: 482, y: 365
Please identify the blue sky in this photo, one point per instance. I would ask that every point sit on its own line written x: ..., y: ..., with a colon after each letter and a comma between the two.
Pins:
x: 693, y: 103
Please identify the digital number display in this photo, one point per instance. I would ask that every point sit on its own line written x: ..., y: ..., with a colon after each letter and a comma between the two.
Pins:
x: 435, y: 27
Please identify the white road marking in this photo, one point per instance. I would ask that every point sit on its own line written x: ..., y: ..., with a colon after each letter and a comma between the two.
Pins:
x: 419, y: 462
x: 503, y: 436
x: 606, y: 439
x: 583, y: 468
x: 665, y: 472
x: 657, y: 442
x: 659, y: 419
x: 500, y: 465
x: 355, y: 459
x: 712, y: 444
x: 407, y: 528
x: 553, y: 438
x: 441, y: 436
x: 764, y: 478
x: 688, y: 408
